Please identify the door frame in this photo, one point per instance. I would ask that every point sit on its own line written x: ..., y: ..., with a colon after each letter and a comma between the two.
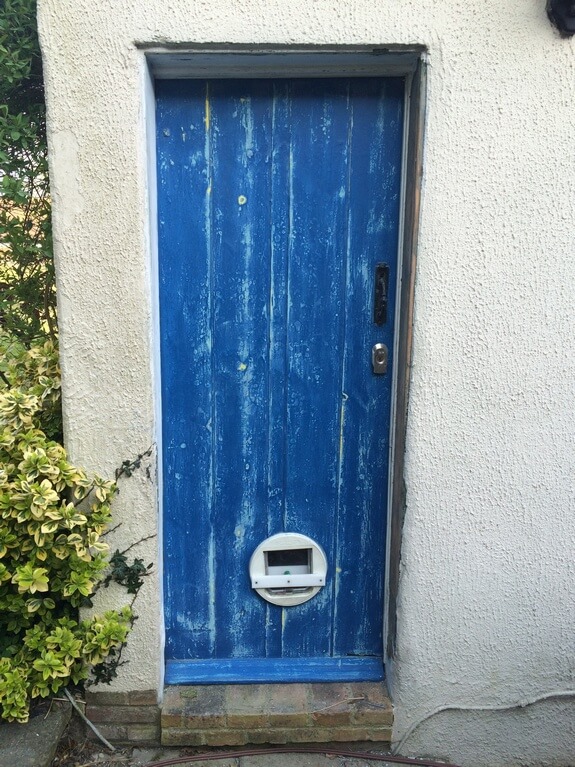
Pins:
x: 267, y: 61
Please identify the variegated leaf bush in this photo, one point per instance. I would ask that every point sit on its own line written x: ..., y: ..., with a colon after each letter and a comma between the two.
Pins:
x: 52, y: 556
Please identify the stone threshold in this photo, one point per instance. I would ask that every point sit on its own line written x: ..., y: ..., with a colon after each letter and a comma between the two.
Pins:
x: 237, y: 715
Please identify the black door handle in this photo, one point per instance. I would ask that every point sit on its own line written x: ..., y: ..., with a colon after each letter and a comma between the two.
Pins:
x: 381, y: 286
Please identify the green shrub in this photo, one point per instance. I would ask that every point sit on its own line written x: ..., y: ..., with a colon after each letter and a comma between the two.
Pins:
x: 52, y: 556
x: 27, y: 293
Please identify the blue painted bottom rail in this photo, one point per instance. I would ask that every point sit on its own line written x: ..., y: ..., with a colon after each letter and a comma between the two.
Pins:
x: 270, y: 670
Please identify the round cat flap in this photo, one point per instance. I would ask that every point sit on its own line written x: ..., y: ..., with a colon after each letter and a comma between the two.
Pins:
x: 288, y: 569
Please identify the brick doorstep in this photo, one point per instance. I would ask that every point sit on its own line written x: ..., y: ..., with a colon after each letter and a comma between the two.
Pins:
x: 123, y: 717
x: 225, y: 737
x: 235, y: 715
x: 232, y: 715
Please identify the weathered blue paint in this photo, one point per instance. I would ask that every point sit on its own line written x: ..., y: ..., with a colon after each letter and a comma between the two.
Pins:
x: 276, y: 201
x: 253, y: 671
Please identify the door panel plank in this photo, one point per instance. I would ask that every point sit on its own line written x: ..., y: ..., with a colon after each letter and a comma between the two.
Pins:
x: 278, y: 356
x: 241, y: 141
x: 186, y: 349
x: 374, y: 210
x: 316, y: 286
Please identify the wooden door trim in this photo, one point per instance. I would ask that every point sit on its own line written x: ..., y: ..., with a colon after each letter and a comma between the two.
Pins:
x: 413, y: 174
x: 273, y: 61
x: 201, y: 61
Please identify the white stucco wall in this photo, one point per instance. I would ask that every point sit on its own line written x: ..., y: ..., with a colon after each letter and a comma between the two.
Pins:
x: 486, y: 603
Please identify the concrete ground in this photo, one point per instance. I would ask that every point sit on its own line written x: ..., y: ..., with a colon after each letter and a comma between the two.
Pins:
x: 34, y: 744
x: 268, y: 760
x: 91, y: 756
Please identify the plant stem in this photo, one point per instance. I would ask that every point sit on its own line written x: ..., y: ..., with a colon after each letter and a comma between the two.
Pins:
x: 88, y: 722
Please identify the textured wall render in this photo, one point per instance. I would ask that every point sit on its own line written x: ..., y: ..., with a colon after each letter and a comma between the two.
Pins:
x: 486, y: 608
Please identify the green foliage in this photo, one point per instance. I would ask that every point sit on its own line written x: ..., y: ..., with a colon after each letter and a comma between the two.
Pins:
x: 36, y: 372
x: 27, y: 295
x: 52, y: 557
x: 130, y: 576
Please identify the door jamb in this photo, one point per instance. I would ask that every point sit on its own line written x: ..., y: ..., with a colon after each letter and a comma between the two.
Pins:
x: 416, y: 90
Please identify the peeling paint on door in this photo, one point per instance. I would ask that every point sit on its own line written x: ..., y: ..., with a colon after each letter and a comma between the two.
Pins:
x: 268, y: 245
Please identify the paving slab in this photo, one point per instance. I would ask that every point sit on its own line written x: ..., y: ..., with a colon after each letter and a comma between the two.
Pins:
x: 307, y: 760
x: 34, y: 744
x: 290, y: 760
x: 223, y: 762
x: 273, y: 760
x: 145, y: 757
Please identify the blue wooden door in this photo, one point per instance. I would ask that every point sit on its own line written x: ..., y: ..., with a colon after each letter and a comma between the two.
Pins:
x: 277, y: 201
